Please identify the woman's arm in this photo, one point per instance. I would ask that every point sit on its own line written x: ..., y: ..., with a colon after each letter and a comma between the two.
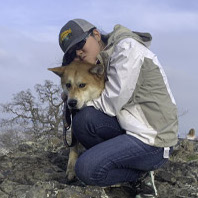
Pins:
x: 122, y: 74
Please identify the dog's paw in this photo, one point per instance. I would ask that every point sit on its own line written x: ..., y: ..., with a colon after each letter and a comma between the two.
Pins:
x: 71, y: 175
x: 73, y: 156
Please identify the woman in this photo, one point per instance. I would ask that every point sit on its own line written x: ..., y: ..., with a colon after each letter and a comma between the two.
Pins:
x: 131, y: 128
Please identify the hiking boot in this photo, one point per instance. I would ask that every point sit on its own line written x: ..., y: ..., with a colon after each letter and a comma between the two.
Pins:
x: 145, y: 186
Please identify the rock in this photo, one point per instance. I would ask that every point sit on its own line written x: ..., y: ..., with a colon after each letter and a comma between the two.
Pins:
x: 37, y: 170
x: 179, y: 177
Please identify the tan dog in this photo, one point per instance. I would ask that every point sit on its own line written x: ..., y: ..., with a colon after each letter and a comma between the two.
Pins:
x: 81, y: 82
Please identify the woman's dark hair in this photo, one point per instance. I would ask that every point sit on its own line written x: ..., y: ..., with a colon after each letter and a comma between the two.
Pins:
x: 104, y: 38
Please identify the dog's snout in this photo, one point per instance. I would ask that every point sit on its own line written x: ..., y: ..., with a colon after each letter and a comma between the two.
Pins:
x: 72, y: 103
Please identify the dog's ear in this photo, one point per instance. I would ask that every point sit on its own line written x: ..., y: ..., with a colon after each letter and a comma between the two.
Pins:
x: 97, y: 69
x: 58, y: 70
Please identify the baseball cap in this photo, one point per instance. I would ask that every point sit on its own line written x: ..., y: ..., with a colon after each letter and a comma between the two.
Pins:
x: 73, y: 32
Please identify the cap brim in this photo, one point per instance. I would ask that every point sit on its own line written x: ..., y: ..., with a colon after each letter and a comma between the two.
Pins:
x: 75, y: 41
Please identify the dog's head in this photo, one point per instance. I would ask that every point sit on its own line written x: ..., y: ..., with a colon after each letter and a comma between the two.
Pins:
x: 81, y: 82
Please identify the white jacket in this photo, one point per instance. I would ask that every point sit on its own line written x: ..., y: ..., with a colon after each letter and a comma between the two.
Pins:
x: 137, y: 90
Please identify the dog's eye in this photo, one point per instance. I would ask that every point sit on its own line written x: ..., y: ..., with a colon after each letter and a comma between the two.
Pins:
x: 81, y: 85
x: 68, y: 85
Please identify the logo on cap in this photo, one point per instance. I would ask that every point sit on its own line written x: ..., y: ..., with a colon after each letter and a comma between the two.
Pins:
x: 65, y: 35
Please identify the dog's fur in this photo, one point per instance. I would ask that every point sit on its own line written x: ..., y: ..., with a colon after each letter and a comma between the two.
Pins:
x: 81, y: 82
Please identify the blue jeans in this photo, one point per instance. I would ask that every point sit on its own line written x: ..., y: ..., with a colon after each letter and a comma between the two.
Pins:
x: 112, y: 156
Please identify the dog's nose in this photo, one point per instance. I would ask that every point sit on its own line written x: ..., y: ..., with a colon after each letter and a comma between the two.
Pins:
x: 72, y: 103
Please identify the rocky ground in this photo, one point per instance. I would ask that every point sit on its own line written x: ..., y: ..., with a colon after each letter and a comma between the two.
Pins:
x: 37, y: 170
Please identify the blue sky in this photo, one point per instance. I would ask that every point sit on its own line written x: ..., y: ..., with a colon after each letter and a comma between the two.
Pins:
x: 29, y: 41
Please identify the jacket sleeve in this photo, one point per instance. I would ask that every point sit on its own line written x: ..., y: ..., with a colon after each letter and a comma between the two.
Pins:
x: 122, y: 74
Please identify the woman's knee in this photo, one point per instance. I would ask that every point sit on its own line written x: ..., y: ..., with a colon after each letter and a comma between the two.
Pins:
x: 83, y: 120
x: 84, y: 115
x: 83, y: 126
